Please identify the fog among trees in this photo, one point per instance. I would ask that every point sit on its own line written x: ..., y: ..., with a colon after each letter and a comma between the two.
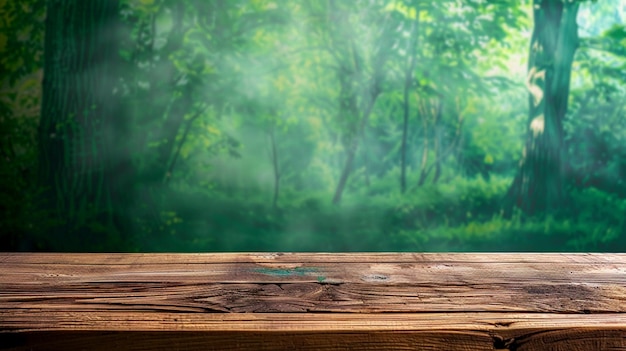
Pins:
x: 331, y: 125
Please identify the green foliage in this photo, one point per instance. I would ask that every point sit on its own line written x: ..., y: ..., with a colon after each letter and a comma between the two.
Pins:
x: 459, y: 216
x: 23, y: 222
x: 21, y: 38
x: 240, y: 117
x: 595, y: 131
x: 583, y: 227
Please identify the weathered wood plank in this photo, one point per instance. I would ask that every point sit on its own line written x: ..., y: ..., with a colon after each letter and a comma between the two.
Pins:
x: 430, y: 331
x: 560, y: 340
x: 274, y: 301
x: 506, y: 324
x: 375, y: 286
x: 287, y: 257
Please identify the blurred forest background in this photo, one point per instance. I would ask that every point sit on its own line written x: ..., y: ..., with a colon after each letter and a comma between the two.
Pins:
x: 322, y: 125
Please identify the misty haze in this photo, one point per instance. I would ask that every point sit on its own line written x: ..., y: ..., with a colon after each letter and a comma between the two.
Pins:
x: 321, y: 125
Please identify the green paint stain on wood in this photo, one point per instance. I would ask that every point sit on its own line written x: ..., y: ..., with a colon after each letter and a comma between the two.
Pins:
x: 282, y: 272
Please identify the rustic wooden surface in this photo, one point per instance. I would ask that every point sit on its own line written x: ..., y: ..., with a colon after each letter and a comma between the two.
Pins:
x: 523, y: 302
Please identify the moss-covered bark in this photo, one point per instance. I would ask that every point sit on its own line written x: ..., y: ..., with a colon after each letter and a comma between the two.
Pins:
x: 538, y: 186
x: 82, y: 160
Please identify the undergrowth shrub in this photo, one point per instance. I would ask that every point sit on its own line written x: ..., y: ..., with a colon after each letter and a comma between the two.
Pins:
x: 463, y: 215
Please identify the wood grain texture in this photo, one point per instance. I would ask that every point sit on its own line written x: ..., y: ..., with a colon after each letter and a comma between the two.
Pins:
x: 283, y: 301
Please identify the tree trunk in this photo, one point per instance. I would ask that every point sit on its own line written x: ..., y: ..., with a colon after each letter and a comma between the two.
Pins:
x: 179, y: 105
x: 538, y: 186
x: 183, y: 139
x: 171, y: 128
x: 348, y: 115
x: 408, y: 79
x: 423, y: 169
x: 276, y: 168
x: 352, y: 148
x: 361, y: 111
x: 366, y: 164
x: 437, y: 141
x: 83, y: 163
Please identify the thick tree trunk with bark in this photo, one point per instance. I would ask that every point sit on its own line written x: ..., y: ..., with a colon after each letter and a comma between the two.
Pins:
x: 538, y: 186
x: 83, y: 164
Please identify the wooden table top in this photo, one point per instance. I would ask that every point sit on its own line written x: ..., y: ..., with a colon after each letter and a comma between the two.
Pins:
x: 311, y: 301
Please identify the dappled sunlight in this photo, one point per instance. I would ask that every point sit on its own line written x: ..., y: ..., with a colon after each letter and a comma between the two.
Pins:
x: 281, y: 125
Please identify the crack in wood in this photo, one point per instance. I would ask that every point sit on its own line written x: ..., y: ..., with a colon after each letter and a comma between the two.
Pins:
x: 500, y: 343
